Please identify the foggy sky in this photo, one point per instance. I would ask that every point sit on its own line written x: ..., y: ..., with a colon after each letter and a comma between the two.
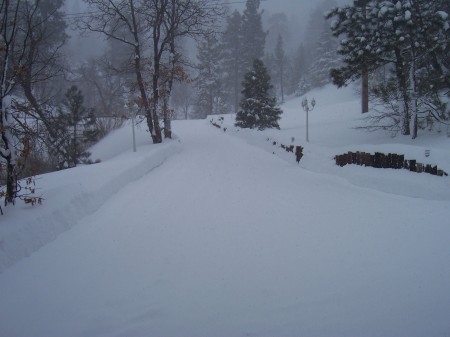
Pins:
x: 290, y: 7
x: 295, y: 10
x: 286, y: 6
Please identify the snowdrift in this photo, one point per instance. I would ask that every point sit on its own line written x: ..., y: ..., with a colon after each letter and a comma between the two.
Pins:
x: 70, y: 195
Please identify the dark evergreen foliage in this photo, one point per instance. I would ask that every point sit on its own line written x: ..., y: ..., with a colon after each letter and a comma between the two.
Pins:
x: 258, y: 106
x: 280, y: 61
x: 76, y: 130
x: 253, y: 35
x: 409, y: 40
x: 209, y: 82
x: 325, y: 57
x: 232, y: 67
x: 356, y: 29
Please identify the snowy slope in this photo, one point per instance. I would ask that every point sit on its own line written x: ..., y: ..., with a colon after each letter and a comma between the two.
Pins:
x: 72, y: 194
x: 215, y: 235
x: 333, y: 129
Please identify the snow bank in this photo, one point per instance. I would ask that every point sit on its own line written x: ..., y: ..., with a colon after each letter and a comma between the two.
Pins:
x: 334, y: 129
x: 228, y: 239
x: 119, y: 141
x: 238, y: 243
x: 72, y: 194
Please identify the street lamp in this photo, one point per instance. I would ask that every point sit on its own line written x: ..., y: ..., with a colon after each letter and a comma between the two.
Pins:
x: 307, y: 108
x: 132, y: 110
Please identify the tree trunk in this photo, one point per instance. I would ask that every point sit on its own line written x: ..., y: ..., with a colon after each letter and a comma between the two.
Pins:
x: 236, y: 88
x: 8, y: 155
x: 152, y: 116
x: 11, y: 183
x: 167, y: 119
x: 156, y: 135
x: 282, y: 81
x: 403, y: 87
x: 75, y: 147
x: 365, y: 90
x: 413, y: 81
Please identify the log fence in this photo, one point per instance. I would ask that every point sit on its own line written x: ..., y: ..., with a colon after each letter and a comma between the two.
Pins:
x: 391, y: 160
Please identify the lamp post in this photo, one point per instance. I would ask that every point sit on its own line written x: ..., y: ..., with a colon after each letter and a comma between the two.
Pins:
x: 132, y: 110
x: 307, y: 108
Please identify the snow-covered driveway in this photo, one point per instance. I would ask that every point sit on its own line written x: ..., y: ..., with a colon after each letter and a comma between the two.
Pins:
x: 225, y: 239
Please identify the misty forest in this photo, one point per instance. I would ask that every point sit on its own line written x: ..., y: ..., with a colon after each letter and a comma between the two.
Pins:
x: 214, y: 94
x: 55, y: 105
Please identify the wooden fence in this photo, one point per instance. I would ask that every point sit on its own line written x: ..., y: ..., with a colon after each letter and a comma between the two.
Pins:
x: 391, y: 160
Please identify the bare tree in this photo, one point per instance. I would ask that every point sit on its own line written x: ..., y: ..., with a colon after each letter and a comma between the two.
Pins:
x: 123, y: 21
x: 31, y: 35
x: 43, y: 26
x: 9, y: 12
x: 104, y: 90
x: 162, y: 23
x: 170, y: 21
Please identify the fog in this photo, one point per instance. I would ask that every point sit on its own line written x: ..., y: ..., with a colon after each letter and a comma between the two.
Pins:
x: 297, y: 13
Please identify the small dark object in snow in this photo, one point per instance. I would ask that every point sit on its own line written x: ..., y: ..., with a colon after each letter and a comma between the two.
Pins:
x: 298, y: 153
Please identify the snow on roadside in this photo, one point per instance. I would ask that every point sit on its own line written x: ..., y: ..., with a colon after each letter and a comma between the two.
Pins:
x: 238, y: 243
x: 120, y: 141
x: 72, y: 194
x: 75, y: 193
x: 333, y: 130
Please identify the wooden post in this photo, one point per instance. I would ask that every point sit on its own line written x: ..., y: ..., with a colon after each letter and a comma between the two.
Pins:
x: 299, y: 153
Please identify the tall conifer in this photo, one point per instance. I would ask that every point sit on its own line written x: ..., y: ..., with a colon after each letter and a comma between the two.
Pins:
x: 258, y: 106
x: 253, y: 35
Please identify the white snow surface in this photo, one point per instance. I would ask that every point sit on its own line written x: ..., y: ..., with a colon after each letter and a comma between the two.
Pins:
x: 222, y: 234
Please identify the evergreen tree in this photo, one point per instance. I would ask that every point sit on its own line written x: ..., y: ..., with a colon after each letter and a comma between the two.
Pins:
x: 325, y: 58
x: 253, y: 36
x: 407, y: 37
x: 314, y: 28
x: 76, y: 130
x: 258, y: 107
x: 298, y: 71
x: 420, y: 47
x: 280, y: 61
x: 428, y: 34
x: 277, y: 24
x: 231, y: 45
x: 357, y: 25
x: 210, y: 96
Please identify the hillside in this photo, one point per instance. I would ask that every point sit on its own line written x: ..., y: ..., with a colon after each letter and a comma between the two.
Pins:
x: 222, y: 233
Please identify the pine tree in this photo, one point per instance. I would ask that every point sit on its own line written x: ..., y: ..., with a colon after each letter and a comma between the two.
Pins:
x: 314, y: 28
x: 428, y: 33
x: 210, y: 95
x: 280, y: 61
x: 298, y: 72
x: 76, y: 129
x: 409, y: 38
x: 258, y: 107
x: 253, y: 36
x: 413, y: 39
x: 357, y: 25
x: 325, y: 58
x: 231, y: 46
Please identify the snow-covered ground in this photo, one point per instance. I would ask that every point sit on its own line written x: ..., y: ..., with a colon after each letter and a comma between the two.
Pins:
x: 222, y: 234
